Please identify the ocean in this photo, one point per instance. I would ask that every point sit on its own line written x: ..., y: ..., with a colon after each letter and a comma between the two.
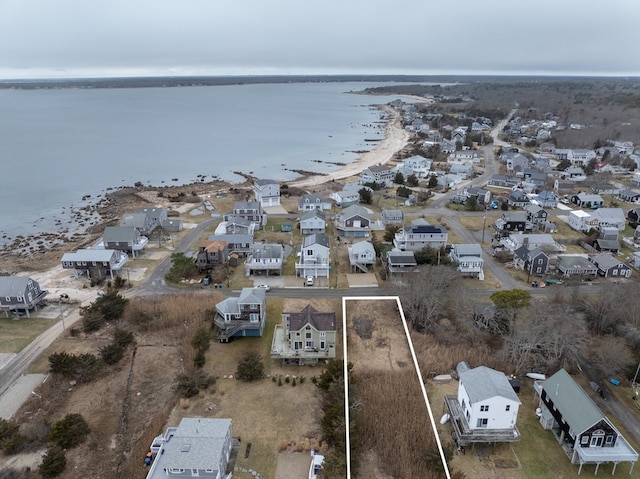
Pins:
x: 61, y: 149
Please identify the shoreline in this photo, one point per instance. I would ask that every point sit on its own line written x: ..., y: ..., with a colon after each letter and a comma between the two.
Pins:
x: 30, y: 253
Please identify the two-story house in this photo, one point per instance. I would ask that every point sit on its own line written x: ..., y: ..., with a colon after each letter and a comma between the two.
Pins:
x: 607, y: 217
x: 546, y: 199
x: 379, y: 174
x: 629, y: 196
x: 313, y: 222
x: 145, y: 220
x: 485, y: 408
x: 313, y: 201
x: 20, y: 293
x: 392, y: 217
x: 584, y: 433
x: 398, y: 261
x: 420, y: 235
x: 536, y: 214
x: 610, y: 267
x: 267, y: 192
x: 314, y: 256
x: 353, y: 221
x: 238, y: 244
x: 305, y: 337
x: 235, y: 225
x: 518, y: 199
x: 245, y: 315
x: 211, y: 253
x: 249, y: 210
x: 346, y: 197
x: 124, y: 238
x: 95, y: 263
x: 468, y: 257
x: 362, y: 256
x: 198, y: 447
x: 511, y: 222
x: 534, y: 261
x: 581, y: 220
x: 415, y: 165
x: 267, y: 258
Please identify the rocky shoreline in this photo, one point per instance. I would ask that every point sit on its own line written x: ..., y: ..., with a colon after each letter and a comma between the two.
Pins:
x: 43, y: 251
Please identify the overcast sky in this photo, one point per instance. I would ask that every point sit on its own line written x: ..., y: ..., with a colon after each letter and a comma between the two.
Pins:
x: 70, y: 38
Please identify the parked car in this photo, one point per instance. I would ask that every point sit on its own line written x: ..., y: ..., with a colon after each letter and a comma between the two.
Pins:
x: 308, y: 281
x: 266, y: 287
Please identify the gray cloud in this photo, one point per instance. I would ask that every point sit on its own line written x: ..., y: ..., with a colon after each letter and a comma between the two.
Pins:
x: 111, y: 37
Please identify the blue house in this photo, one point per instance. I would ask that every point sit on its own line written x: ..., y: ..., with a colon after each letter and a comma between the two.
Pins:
x: 245, y: 315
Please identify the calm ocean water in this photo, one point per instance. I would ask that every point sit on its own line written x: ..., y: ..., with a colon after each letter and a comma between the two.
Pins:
x: 56, y: 146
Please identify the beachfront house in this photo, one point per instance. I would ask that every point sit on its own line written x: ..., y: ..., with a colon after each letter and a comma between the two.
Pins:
x: 314, y: 256
x: 124, y: 238
x: 267, y: 192
x: 145, y: 220
x: 95, y: 263
x: 585, y: 434
x: 19, y: 294
x: 235, y: 225
x: 244, y: 315
x: 239, y: 244
x: 305, y: 337
x: 415, y: 165
x: 419, y: 235
x: 313, y: 201
x: 485, y: 408
x: 267, y: 258
x: 379, y: 174
x: 198, y: 447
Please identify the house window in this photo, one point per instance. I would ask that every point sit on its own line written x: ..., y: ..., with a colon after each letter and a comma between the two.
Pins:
x: 195, y: 473
x: 254, y: 317
x: 322, y: 334
x: 8, y: 298
x: 308, y: 344
x: 297, y: 345
x: 484, y: 408
x: 584, y: 440
x: 307, y: 335
x: 176, y: 471
x: 507, y: 407
x: 322, y: 346
x: 463, y: 404
x: 482, y: 422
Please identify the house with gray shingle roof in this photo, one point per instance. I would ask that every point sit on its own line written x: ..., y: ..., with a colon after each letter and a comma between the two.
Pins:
x: 313, y: 201
x: 353, y: 221
x: 380, y: 174
x: 124, y: 238
x: 305, y: 337
x: 313, y: 222
x: 485, y: 408
x: 20, y: 293
x: 201, y: 446
x: 610, y: 267
x: 267, y: 192
x: 244, y: 315
x: 586, y: 435
x: 267, y: 258
x: 94, y: 263
x: 239, y: 244
x: 314, y: 256
x: 630, y: 196
x: 362, y: 256
x: 468, y: 257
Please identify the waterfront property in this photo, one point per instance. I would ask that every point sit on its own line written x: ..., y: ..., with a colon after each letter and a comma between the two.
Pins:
x: 485, y: 408
x: 584, y: 433
x: 305, y: 337
x: 244, y: 315
x: 267, y: 192
x: 19, y: 293
x: 94, y: 263
x: 145, y: 220
x: 124, y: 238
x: 249, y: 210
x: 201, y: 446
x: 313, y: 201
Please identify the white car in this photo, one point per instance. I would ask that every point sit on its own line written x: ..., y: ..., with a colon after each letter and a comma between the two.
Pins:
x: 266, y: 287
x: 308, y: 281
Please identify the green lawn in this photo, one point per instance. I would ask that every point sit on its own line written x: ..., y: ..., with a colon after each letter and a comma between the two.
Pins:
x: 15, y: 334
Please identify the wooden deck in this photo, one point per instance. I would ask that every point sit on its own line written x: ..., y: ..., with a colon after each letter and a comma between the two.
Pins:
x: 464, y: 435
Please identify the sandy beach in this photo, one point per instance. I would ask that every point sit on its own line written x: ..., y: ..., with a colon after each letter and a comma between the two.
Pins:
x: 396, y: 138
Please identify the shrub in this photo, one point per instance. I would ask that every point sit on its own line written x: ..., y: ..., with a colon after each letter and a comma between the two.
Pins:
x: 53, y: 462
x: 250, y: 367
x: 199, y: 360
x: 111, y: 353
x: 10, y: 440
x: 188, y: 385
x: 70, y: 431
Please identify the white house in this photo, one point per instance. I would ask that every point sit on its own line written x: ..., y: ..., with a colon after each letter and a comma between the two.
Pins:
x: 380, y: 174
x: 313, y: 201
x: 610, y: 217
x: 415, y: 165
x: 362, y: 256
x: 581, y: 220
x: 468, y: 257
x: 314, y: 256
x: 267, y: 192
x: 419, y: 235
x: 201, y: 446
x: 543, y: 241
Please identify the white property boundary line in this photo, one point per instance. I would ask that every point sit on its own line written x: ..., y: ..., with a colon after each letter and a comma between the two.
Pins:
x: 415, y: 363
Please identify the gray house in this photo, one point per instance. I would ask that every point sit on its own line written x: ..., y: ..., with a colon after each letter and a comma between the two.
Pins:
x: 95, y: 263
x: 392, y: 217
x: 145, y: 220
x: 19, y: 293
x: 536, y: 214
x: 353, y: 221
x: 313, y: 222
x: 401, y: 262
x: 211, y: 253
x: 245, y: 315
x: 124, y: 238
x: 610, y: 267
x: 239, y: 244
x: 197, y: 447
x: 305, y: 337
x: 267, y: 258
x: 585, y: 434
x: 249, y: 210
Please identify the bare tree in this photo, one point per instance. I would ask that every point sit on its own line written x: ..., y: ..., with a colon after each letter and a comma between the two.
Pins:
x: 424, y: 295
